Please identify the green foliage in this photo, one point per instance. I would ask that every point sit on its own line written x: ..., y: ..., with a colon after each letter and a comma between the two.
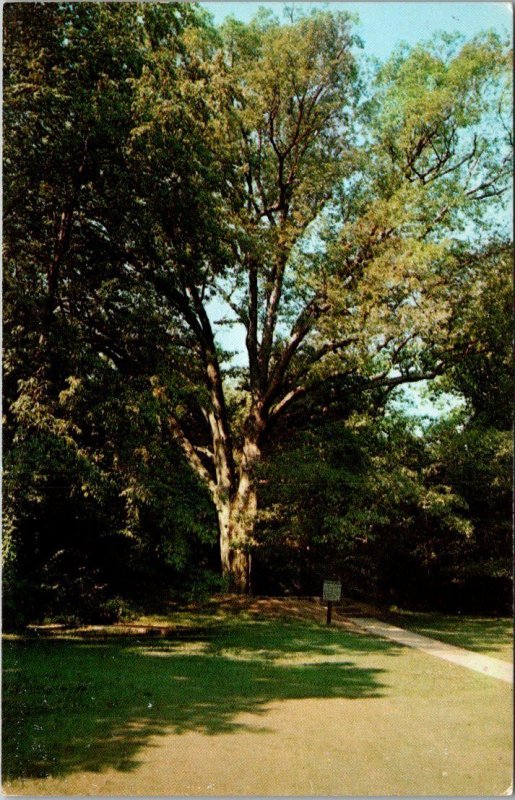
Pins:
x: 99, y: 510
x: 97, y: 499
x: 416, y: 521
x: 484, y: 376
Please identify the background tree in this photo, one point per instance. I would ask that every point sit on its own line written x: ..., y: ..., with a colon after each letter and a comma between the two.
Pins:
x: 96, y: 495
x: 484, y: 377
x: 405, y: 517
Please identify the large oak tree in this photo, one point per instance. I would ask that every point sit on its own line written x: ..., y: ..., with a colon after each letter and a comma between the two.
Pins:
x: 260, y: 174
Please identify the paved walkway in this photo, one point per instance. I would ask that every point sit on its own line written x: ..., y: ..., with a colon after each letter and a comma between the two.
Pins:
x: 493, y: 667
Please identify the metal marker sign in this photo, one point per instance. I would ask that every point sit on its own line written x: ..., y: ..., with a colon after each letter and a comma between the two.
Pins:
x: 332, y: 592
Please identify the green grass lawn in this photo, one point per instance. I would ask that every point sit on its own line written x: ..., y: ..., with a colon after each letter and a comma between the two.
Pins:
x: 493, y: 637
x: 88, y: 704
x: 60, y: 693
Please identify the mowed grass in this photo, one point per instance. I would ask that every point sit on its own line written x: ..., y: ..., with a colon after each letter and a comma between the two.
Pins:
x: 67, y: 701
x: 409, y: 723
x: 491, y: 636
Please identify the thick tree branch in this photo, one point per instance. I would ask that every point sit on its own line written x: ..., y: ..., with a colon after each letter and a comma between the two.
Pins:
x: 217, y: 414
x: 252, y: 328
x: 271, y: 320
x: 408, y: 377
x: 191, y: 455
x: 300, y: 330
x: 64, y: 230
x: 287, y: 400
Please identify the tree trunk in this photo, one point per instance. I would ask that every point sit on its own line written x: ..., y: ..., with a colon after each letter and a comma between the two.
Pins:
x: 235, y: 537
x: 236, y: 519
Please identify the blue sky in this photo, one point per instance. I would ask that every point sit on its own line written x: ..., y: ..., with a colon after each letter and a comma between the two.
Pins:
x: 384, y: 24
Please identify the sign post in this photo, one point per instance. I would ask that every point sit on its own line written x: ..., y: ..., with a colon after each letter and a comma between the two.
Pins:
x: 332, y: 593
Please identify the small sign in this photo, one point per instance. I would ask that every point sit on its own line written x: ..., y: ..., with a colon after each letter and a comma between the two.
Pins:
x: 332, y: 591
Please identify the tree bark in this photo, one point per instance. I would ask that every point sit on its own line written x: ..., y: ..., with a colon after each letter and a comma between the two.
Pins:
x: 236, y: 529
x: 236, y: 518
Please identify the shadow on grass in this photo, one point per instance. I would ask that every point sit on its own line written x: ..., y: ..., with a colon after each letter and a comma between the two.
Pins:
x: 71, y: 704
